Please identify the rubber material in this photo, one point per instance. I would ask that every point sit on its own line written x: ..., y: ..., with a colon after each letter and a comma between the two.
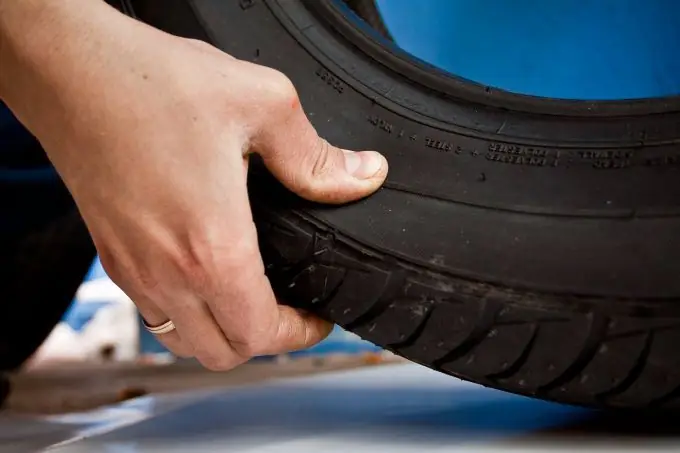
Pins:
x: 526, y: 244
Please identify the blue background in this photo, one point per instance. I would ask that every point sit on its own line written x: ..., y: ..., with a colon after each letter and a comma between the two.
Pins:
x: 580, y: 49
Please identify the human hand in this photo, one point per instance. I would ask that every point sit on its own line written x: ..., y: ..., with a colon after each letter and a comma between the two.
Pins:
x: 151, y: 133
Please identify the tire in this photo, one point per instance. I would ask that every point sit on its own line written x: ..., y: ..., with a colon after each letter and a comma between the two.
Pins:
x: 526, y: 244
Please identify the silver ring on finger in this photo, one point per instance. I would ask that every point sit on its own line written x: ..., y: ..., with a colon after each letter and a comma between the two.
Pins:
x: 166, y: 327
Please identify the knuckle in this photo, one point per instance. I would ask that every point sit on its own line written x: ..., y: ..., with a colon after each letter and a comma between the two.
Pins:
x: 138, y: 279
x: 211, y: 246
x: 249, y: 348
x: 144, y: 282
x: 192, y: 269
x: 215, y: 362
x: 241, y: 252
x: 194, y: 261
x: 257, y: 340
x: 280, y: 90
x: 133, y: 277
x: 323, y: 160
x: 206, y: 259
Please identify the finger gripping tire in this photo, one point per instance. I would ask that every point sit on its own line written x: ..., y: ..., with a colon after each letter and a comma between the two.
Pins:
x: 525, y: 244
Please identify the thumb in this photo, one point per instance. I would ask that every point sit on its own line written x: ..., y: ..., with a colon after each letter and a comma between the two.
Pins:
x: 297, y: 330
x: 313, y: 168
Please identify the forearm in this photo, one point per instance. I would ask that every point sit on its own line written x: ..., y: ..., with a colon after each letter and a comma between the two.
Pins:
x: 50, y: 53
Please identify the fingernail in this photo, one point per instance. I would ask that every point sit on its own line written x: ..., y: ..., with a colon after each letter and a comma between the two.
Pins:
x: 363, y: 164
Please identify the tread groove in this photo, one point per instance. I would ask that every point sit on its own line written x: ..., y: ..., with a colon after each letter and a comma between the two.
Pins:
x: 635, y: 371
x: 393, y: 287
x: 521, y: 360
x: 413, y: 338
x: 597, y: 330
x: 486, y: 322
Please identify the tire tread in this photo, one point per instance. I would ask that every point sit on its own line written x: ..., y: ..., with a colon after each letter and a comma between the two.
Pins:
x: 420, y: 291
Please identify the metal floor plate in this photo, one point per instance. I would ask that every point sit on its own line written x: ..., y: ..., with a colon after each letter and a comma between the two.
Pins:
x: 400, y: 408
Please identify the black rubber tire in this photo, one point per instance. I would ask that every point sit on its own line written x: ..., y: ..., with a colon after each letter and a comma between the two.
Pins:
x: 525, y: 244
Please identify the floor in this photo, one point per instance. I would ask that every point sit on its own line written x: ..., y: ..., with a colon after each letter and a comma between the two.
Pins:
x: 396, y: 408
x: 60, y: 387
